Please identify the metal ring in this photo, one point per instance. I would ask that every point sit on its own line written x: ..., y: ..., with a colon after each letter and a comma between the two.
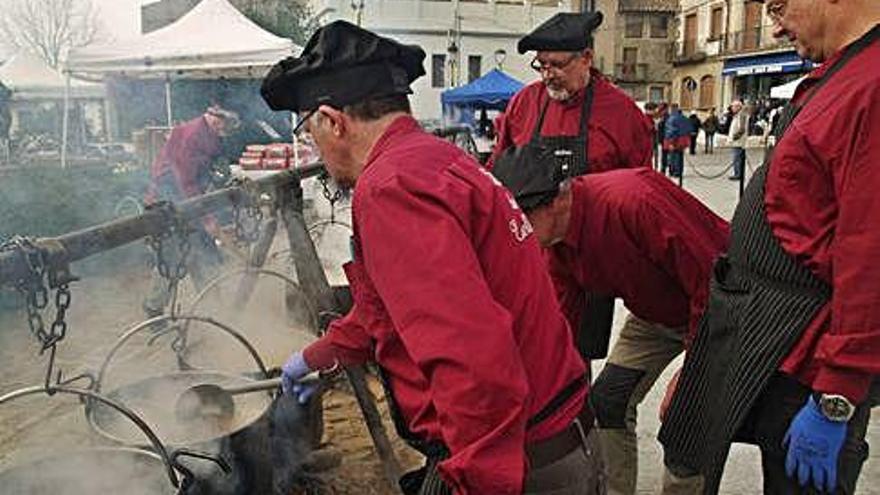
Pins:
x: 148, y: 323
x: 155, y: 442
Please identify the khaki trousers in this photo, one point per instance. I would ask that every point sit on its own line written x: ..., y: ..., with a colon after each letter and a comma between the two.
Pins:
x: 641, y: 353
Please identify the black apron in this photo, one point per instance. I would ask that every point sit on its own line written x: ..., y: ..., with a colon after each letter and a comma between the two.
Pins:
x: 761, y: 299
x: 570, y: 152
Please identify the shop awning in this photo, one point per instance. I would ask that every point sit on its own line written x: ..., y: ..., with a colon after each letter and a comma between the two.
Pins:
x: 771, y: 63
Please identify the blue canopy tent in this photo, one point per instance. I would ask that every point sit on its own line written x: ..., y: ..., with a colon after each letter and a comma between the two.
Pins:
x: 490, y: 92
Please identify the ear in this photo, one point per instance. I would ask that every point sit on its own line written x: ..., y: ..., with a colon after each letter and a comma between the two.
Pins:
x: 336, y: 119
x: 588, y: 55
x: 562, y: 201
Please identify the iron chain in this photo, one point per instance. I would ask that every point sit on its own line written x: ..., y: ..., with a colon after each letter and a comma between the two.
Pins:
x: 36, y: 294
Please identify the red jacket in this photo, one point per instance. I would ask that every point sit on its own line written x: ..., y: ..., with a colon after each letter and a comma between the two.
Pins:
x: 823, y: 205
x: 453, y: 300
x: 635, y: 235
x: 620, y: 135
x: 187, y: 155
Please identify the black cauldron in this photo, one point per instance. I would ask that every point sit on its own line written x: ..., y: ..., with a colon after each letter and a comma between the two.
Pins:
x: 266, y: 441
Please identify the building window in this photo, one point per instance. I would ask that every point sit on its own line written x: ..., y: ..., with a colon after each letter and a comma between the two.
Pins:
x: 690, y: 35
x: 659, y: 26
x: 438, y: 70
x: 630, y: 61
x: 751, y: 35
x: 716, y: 22
x: 688, y: 88
x: 475, y: 69
x: 656, y: 94
x: 633, y: 26
x: 707, y: 92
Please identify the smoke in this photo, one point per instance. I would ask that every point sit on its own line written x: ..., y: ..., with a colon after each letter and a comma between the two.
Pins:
x: 89, y: 472
x: 106, y: 178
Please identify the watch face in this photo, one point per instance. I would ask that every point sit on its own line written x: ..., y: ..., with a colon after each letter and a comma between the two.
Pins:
x: 836, y: 407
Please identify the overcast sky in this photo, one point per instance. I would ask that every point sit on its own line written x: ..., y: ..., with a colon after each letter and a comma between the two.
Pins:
x: 121, y: 18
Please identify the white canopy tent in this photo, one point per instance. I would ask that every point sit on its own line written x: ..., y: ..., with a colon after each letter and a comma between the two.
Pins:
x: 30, y: 77
x: 786, y: 91
x: 213, y: 39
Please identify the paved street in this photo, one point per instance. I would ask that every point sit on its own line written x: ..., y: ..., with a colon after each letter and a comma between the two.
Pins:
x: 743, y: 472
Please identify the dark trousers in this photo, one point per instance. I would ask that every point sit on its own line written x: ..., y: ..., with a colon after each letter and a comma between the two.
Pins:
x: 769, y: 419
x: 694, y: 144
x: 710, y: 142
x: 657, y: 152
x: 739, y: 161
x: 676, y: 162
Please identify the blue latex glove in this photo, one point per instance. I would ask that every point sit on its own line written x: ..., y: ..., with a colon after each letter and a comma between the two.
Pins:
x: 814, y: 443
x: 294, y: 369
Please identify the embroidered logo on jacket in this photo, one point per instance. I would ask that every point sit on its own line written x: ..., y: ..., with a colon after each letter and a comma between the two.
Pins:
x: 518, y: 223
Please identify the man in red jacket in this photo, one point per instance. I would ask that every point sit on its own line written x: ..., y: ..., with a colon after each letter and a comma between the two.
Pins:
x: 572, y: 93
x: 182, y: 170
x: 632, y: 234
x: 574, y: 116
x: 451, y: 294
x: 787, y: 352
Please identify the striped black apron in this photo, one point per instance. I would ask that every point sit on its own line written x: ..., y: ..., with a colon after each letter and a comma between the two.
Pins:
x: 761, y: 299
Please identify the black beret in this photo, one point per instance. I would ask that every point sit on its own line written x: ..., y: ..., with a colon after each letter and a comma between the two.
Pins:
x: 532, y: 174
x: 342, y: 64
x: 564, y: 32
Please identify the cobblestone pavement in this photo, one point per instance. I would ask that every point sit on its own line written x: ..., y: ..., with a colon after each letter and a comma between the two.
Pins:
x: 743, y: 471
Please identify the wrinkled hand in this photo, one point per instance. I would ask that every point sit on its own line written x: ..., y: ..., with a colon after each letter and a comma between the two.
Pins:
x: 291, y: 372
x: 814, y: 443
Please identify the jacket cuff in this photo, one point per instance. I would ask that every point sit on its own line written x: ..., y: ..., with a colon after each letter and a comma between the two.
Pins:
x: 320, y: 355
x: 852, y: 384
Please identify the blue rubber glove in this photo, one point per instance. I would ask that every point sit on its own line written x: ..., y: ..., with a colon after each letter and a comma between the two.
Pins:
x: 814, y: 443
x: 294, y: 369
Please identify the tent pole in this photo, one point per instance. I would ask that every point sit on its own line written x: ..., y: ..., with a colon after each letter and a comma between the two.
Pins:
x: 168, y: 99
x: 64, y: 121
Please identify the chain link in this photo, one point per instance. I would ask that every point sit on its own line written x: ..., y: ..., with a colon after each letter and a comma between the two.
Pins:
x: 332, y: 196
x: 33, y: 286
x: 177, y: 228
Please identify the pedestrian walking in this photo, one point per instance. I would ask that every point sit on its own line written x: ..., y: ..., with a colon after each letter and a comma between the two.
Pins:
x: 710, y: 127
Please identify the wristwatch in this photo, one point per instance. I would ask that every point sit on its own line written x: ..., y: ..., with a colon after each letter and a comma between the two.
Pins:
x: 835, y: 407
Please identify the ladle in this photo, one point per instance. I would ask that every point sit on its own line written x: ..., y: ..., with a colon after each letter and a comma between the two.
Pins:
x: 208, y: 400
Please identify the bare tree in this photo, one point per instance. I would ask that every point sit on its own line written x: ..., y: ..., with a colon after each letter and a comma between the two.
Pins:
x: 48, y: 28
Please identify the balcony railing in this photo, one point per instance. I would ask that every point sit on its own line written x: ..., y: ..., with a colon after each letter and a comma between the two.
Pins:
x: 752, y: 39
x: 631, y: 72
x: 689, y: 51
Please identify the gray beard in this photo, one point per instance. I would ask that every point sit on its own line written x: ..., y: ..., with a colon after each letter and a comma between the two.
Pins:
x: 558, y: 94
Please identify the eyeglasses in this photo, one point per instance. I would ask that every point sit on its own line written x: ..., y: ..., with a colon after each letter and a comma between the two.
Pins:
x: 776, y: 9
x: 300, y: 131
x: 552, y: 65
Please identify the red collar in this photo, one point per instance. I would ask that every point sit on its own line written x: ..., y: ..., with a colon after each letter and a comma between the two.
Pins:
x: 405, y: 124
